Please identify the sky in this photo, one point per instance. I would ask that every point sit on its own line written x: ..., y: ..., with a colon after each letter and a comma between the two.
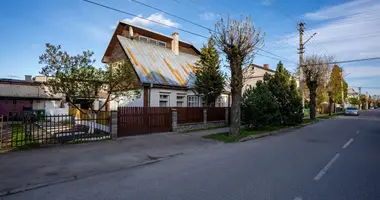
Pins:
x: 344, y: 29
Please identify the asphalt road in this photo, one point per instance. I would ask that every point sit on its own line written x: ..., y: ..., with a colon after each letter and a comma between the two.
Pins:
x: 333, y: 159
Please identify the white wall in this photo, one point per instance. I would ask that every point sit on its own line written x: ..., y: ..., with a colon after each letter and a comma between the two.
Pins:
x: 155, y: 96
x: 128, y: 100
x: 253, y: 76
x: 46, y: 104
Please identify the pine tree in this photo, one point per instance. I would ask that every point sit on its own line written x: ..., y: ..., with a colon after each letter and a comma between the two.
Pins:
x: 210, y: 80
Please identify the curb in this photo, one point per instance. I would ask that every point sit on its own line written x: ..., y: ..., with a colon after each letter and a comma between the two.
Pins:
x: 78, y: 177
x: 276, y: 132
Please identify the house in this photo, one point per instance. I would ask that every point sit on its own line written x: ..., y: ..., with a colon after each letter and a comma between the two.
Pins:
x: 254, y: 73
x: 352, y: 93
x: 164, y: 66
x: 18, y: 95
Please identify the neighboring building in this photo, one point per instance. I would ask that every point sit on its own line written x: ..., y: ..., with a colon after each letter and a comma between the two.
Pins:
x: 18, y: 95
x: 164, y: 66
x: 254, y: 73
x: 352, y: 93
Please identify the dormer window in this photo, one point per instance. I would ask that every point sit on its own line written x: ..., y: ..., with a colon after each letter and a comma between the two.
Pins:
x: 152, y: 41
x: 143, y: 39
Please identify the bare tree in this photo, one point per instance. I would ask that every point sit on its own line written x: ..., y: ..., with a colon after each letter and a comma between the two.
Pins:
x: 316, y: 71
x: 239, y: 41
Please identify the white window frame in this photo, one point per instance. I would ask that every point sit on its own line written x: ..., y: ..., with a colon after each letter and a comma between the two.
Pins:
x: 153, y: 40
x: 192, y: 101
x: 147, y: 39
x: 161, y: 42
x: 166, y: 100
x: 181, y: 99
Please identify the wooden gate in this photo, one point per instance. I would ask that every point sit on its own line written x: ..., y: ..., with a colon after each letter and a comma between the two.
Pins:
x: 143, y: 120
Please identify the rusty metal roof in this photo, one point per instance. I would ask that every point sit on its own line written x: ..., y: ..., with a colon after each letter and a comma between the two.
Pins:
x: 159, y: 65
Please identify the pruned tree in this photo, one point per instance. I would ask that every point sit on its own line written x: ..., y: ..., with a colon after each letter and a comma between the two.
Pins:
x: 77, y: 79
x: 239, y: 40
x: 316, y: 71
x: 210, y: 80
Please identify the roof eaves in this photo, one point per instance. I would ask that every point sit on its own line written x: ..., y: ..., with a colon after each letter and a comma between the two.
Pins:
x: 158, y: 33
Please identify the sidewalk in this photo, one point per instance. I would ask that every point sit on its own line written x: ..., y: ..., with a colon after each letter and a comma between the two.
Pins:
x: 24, y: 170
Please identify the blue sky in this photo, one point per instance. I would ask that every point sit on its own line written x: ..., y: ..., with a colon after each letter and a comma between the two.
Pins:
x: 77, y: 26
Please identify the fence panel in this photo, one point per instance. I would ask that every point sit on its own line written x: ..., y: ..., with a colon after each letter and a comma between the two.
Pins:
x: 189, y: 115
x: 142, y: 120
x: 34, y: 131
x: 215, y: 114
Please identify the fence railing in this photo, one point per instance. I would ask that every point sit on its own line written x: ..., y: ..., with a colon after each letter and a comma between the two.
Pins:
x: 189, y: 115
x: 29, y: 131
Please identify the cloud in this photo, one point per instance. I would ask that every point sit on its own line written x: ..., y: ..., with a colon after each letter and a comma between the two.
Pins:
x: 345, y: 9
x: 158, y: 17
x: 209, y: 16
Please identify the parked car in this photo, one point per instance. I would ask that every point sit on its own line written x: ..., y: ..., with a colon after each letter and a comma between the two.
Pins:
x: 352, y: 111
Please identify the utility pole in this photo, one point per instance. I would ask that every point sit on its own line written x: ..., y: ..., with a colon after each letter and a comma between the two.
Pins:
x: 300, y: 52
x: 360, y: 94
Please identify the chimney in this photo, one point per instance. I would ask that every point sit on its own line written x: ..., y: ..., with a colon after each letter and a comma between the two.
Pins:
x: 175, y: 43
x: 131, y: 32
x: 28, y: 78
x: 266, y: 66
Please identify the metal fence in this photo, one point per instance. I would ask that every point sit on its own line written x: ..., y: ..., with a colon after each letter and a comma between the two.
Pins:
x: 27, y: 132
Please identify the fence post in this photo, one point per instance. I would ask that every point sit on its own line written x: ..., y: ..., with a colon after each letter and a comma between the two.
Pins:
x: 204, y: 115
x: 1, y: 131
x: 114, y: 118
x: 174, y: 119
x: 226, y: 115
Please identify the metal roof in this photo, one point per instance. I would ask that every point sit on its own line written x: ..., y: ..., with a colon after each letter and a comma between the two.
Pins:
x: 159, y: 65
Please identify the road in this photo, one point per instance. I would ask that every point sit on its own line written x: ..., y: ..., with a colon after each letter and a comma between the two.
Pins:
x: 332, y: 159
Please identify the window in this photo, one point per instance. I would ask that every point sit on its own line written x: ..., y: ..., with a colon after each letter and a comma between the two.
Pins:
x: 192, y: 101
x: 164, y: 100
x: 143, y: 39
x: 220, y: 102
x: 161, y: 44
x: 154, y: 42
x: 180, y: 100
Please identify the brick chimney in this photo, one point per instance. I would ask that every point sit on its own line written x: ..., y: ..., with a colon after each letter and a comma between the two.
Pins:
x: 28, y: 78
x: 175, y: 43
x: 266, y: 66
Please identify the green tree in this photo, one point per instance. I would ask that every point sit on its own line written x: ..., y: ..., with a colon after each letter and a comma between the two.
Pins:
x: 363, y: 101
x: 210, y: 80
x: 259, y: 106
x: 335, y: 84
x: 283, y: 88
x: 76, y: 78
x: 354, y: 101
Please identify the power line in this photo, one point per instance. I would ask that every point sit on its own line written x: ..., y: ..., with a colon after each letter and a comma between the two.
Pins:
x: 153, y: 21
x: 173, y: 15
x: 272, y: 58
x: 134, y: 15
x: 346, y: 61
x: 352, y: 37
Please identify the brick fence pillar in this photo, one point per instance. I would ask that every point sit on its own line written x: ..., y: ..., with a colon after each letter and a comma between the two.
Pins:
x: 174, y: 119
x: 204, y: 115
x: 114, y: 125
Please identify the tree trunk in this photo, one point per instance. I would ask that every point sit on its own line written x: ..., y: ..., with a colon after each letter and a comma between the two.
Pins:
x: 236, y: 92
x: 313, y: 101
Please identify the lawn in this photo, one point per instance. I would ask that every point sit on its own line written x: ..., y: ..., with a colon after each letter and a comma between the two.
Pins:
x: 19, y: 140
x: 224, y: 137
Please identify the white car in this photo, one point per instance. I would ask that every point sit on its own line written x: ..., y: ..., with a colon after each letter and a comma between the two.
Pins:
x: 352, y: 111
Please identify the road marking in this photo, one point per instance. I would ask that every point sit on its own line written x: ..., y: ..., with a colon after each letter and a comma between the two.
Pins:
x: 324, y: 170
x: 298, y: 198
x: 357, y: 132
x: 348, y: 143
